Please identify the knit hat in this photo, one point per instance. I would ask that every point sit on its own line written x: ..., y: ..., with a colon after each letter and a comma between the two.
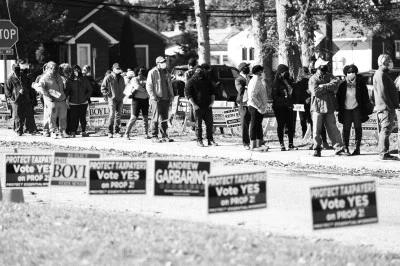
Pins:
x: 282, y: 68
x: 242, y: 65
x: 257, y: 68
x: 115, y: 65
x: 352, y: 68
x: 382, y: 59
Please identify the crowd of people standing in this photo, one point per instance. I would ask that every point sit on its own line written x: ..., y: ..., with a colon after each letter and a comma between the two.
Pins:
x: 66, y: 93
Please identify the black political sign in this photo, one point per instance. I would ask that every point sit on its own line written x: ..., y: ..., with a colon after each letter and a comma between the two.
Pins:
x: 237, y: 192
x: 27, y: 170
x: 180, y: 177
x: 344, y: 205
x: 117, y: 176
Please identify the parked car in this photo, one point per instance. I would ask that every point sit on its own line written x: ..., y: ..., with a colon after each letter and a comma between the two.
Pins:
x: 226, y: 76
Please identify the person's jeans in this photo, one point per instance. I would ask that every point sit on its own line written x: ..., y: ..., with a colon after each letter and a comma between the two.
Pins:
x: 159, y: 115
x: 78, y: 115
x: 284, y: 117
x: 245, y: 119
x: 329, y: 120
x: 57, y: 110
x: 19, y: 116
x: 350, y: 117
x: 256, y: 131
x: 386, y: 122
x: 114, y: 120
x: 204, y: 113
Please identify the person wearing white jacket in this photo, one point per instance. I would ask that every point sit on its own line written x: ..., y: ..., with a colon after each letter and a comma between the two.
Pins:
x: 258, y: 105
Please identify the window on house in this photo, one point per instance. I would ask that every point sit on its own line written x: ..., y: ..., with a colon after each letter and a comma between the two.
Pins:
x: 142, y: 55
x: 244, y: 53
x: 224, y: 59
x: 63, y: 54
x: 397, y: 45
x: 251, y: 53
x: 84, y: 54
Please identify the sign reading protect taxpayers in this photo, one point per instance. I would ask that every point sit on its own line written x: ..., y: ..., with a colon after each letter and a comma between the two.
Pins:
x: 27, y: 170
x: 70, y: 168
x: 237, y: 192
x: 344, y: 205
x: 180, y: 177
x: 117, y: 176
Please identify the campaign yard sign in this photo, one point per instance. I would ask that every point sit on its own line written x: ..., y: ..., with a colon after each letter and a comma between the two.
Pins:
x: 344, y: 205
x: 117, y: 176
x: 237, y: 192
x: 180, y: 177
x: 98, y: 113
x: 232, y: 118
x: 27, y: 170
x: 70, y: 168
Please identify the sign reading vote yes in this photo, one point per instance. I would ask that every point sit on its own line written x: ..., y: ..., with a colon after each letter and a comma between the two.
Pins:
x: 180, y: 177
x: 26, y: 170
x: 237, y: 192
x: 344, y: 205
x: 117, y: 176
x: 69, y: 168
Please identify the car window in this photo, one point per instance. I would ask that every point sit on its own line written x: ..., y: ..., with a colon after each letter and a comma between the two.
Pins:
x: 225, y: 73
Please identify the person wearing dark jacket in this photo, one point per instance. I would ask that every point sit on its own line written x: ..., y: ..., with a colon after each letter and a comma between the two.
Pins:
x: 79, y: 92
x: 241, y: 87
x: 87, y: 73
x: 282, y: 96
x: 201, y: 94
x: 386, y: 100
x: 302, y: 95
x: 352, y: 97
x: 17, y: 89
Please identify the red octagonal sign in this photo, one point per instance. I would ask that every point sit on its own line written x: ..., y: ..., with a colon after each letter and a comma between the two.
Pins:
x: 8, y: 34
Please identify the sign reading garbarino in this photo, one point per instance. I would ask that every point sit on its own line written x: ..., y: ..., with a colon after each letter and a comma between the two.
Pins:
x: 180, y: 177
x: 344, y: 205
x: 70, y: 168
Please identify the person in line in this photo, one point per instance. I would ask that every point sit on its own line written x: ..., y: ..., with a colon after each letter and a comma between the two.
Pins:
x: 17, y: 89
x: 258, y: 104
x: 159, y: 88
x: 282, y: 96
x: 302, y: 95
x: 241, y: 87
x: 386, y: 100
x: 178, y: 85
x: 140, y: 101
x: 30, y: 125
x: 113, y: 87
x: 79, y: 92
x: 65, y: 71
x: 88, y: 73
x: 353, y: 102
x: 46, y: 121
x: 200, y: 92
x: 323, y: 87
x: 53, y: 89
x: 192, y: 63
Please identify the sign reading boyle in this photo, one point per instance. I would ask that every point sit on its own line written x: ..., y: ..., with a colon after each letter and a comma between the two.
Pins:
x: 70, y: 168
x: 180, y: 177
x: 344, y: 205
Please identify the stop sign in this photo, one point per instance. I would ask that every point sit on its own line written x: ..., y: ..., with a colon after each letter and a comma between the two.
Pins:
x: 8, y: 34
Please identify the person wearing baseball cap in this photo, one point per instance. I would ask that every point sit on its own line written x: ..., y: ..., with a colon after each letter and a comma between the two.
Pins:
x: 323, y: 87
x: 113, y: 87
x: 241, y: 83
x: 386, y: 100
x: 159, y: 88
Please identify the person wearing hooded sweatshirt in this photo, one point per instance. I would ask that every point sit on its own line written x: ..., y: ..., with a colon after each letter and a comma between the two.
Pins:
x: 282, y: 96
x: 353, y: 99
x: 323, y: 87
x: 258, y: 106
x: 386, y: 100
x: 17, y: 89
x: 80, y: 90
x: 242, y: 97
x: 201, y: 94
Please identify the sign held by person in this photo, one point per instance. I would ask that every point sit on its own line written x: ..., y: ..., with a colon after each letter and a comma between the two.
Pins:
x: 27, y: 170
x: 117, y: 176
x: 237, y: 192
x: 70, y: 168
x: 180, y: 177
x: 344, y: 205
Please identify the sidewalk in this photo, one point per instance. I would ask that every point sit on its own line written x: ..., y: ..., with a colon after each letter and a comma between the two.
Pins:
x: 366, y: 161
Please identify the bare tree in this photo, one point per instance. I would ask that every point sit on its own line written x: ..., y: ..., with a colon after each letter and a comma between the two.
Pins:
x: 203, y: 39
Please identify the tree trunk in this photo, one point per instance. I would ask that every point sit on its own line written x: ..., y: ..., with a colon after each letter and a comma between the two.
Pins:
x: 203, y: 39
x: 262, y: 55
x: 306, y: 33
x: 328, y: 41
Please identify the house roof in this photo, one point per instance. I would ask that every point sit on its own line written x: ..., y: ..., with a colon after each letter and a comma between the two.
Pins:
x: 122, y: 13
x: 92, y: 25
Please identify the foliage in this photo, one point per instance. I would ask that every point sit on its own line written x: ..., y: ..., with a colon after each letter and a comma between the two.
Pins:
x: 188, y: 45
x: 127, y: 53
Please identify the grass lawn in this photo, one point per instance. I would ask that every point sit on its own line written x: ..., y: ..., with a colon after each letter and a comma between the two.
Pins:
x: 46, y: 235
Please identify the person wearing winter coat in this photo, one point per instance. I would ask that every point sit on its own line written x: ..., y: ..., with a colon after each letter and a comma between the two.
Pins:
x: 353, y: 102
x: 241, y: 87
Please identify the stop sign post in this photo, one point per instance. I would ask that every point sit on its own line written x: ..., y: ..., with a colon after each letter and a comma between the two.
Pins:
x: 8, y: 38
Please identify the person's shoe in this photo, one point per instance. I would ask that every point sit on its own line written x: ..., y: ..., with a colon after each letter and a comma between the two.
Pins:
x: 73, y: 134
x: 317, y: 153
x: 19, y: 133
x: 200, y: 143
x: 110, y: 135
x: 347, y: 151
x: 166, y: 139
x: 84, y: 134
x: 53, y: 135
x: 156, y: 140
x: 147, y: 137
x: 246, y: 146
x: 283, y: 147
x: 63, y: 135
x: 388, y: 157
x: 341, y: 151
x: 326, y: 146
x: 356, y: 152
x: 292, y: 147
x: 33, y: 133
x: 126, y: 136
x: 212, y: 143
x: 46, y: 134
x: 311, y: 147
